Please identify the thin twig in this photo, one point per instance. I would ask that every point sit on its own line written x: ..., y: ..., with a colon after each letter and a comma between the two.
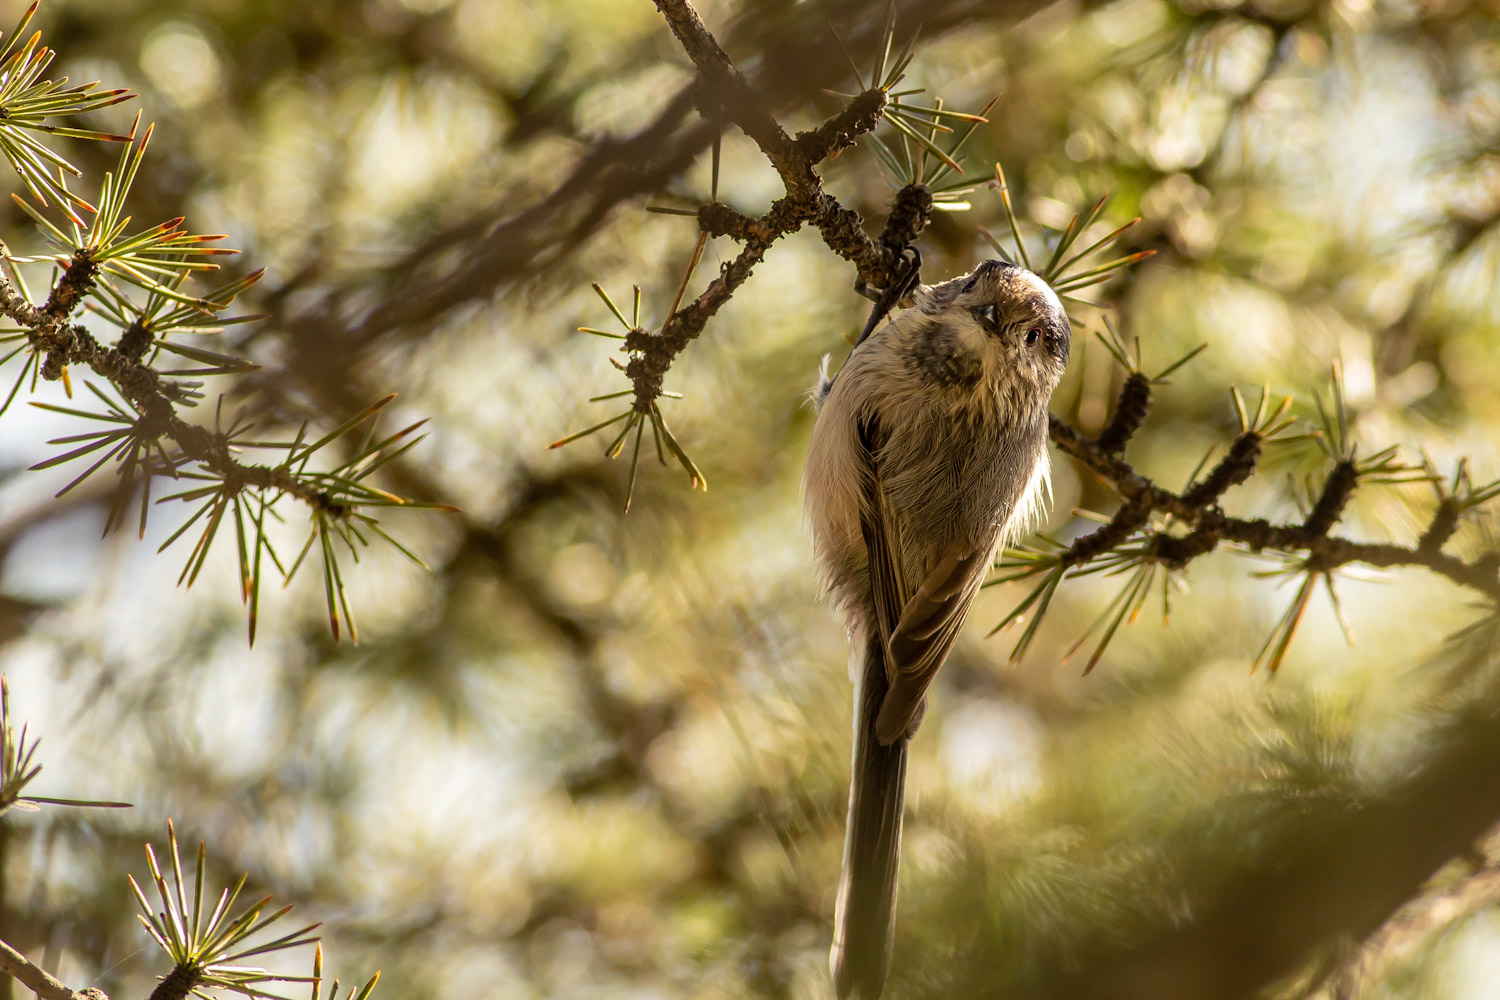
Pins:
x: 729, y: 87
x: 37, y: 980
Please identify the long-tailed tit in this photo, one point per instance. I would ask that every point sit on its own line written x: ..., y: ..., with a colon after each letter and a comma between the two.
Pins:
x: 928, y: 455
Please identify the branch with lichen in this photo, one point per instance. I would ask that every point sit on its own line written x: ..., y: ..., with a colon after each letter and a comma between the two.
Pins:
x: 1210, y: 526
x: 62, y: 345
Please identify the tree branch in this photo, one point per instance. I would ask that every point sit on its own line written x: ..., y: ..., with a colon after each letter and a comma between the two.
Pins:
x: 1340, y: 868
x: 468, y: 261
x: 728, y: 87
x: 1414, y: 924
x: 1210, y: 525
x: 37, y: 980
x: 64, y: 343
x: 795, y: 160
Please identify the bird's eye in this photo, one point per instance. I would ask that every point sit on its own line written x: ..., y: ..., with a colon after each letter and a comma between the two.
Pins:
x: 988, y: 317
x: 1032, y: 335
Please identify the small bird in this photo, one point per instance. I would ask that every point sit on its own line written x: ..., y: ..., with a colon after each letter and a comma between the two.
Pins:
x: 928, y: 455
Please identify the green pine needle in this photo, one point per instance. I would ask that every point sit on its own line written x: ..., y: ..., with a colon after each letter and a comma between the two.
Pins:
x: 209, y: 945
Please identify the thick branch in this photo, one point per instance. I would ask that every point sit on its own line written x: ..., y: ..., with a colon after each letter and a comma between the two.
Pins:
x: 843, y: 231
x: 1414, y: 924
x: 1093, y: 545
x: 1337, y: 868
x: 465, y: 263
x: 842, y: 130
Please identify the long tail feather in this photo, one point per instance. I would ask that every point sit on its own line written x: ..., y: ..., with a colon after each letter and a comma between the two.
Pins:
x: 865, y: 917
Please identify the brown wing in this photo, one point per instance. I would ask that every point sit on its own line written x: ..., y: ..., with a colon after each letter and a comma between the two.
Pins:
x: 918, y: 625
x: 925, y: 633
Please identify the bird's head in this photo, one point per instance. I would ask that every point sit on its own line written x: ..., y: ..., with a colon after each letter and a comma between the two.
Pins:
x: 1009, y: 317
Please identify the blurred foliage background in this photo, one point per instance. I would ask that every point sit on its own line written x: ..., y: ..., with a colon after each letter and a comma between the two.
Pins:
x: 602, y: 756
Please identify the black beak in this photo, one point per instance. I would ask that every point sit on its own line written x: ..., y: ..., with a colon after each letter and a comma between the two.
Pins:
x: 908, y: 277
